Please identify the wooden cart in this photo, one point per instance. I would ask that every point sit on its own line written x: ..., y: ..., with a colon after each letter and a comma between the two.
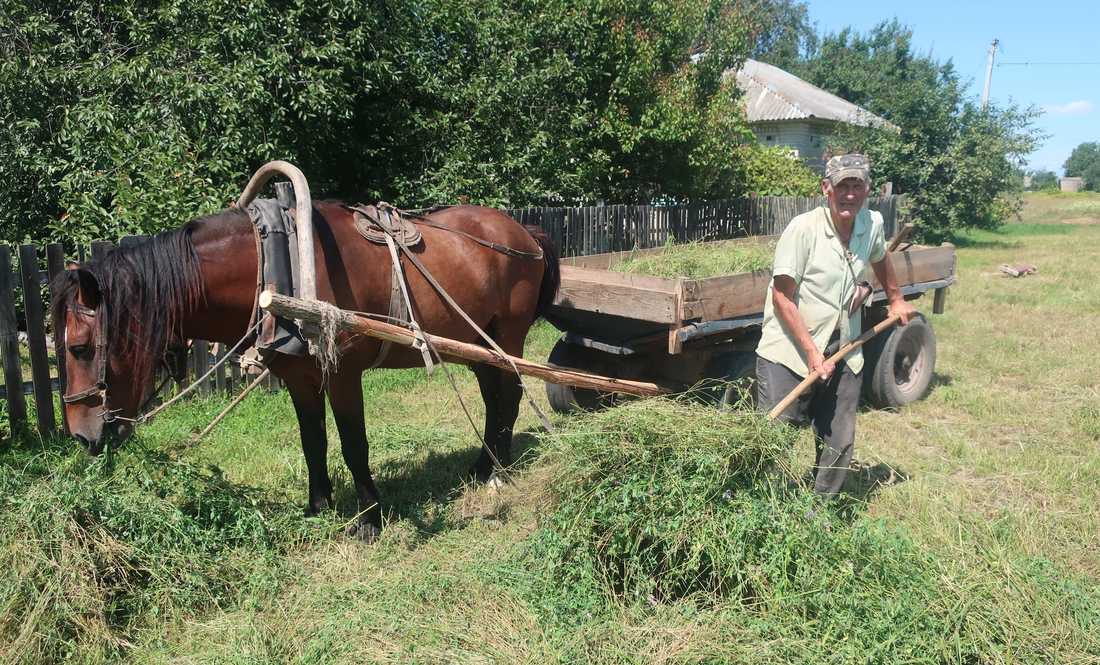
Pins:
x: 681, y: 333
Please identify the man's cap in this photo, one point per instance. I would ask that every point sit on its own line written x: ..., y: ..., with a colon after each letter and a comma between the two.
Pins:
x: 847, y: 166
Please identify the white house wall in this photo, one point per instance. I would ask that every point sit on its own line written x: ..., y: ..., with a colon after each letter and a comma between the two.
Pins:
x: 804, y: 138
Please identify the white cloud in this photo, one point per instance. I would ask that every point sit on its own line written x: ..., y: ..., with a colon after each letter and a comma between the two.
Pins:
x: 1073, y: 109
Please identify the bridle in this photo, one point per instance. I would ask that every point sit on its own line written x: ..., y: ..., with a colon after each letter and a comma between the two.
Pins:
x: 99, y: 389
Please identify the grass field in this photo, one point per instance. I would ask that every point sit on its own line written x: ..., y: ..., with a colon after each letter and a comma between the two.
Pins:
x: 660, y: 532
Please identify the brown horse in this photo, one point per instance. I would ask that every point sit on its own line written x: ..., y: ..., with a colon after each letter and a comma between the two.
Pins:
x: 118, y: 315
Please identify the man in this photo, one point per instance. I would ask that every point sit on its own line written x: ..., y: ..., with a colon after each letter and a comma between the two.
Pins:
x: 819, y: 260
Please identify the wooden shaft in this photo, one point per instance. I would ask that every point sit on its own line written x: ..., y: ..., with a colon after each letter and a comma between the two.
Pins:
x: 899, y: 237
x: 294, y: 308
x: 779, y: 408
x: 235, y: 402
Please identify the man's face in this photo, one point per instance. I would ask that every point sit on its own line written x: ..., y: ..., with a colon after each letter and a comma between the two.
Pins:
x: 846, y: 197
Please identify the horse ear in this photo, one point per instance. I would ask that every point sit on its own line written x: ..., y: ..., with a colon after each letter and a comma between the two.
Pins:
x: 90, y: 294
x: 72, y: 265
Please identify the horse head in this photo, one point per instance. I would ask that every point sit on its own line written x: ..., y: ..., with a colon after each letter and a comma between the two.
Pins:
x: 99, y: 395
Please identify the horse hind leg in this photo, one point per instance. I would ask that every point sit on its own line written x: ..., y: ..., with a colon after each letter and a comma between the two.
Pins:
x: 345, y: 394
x: 309, y: 406
x: 501, y: 392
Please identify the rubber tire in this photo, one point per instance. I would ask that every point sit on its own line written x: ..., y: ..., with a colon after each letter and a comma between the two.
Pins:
x: 899, y: 366
x: 570, y: 399
x: 739, y: 369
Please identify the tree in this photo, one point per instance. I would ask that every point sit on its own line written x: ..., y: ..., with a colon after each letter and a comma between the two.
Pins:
x: 1043, y: 181
x: 132, y: 117
x: 784, y: 34
x: 1084, y: 162
x: 124, y: 117
x: 567, y: 101
x: 953, y: 159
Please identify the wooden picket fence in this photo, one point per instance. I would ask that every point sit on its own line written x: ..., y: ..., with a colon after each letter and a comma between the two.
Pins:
x: 576, y: 231
x: 616, y: 228
x: 25, y: 278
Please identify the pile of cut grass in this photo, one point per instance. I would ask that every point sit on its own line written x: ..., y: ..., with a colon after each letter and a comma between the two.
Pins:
x: 97, y: 552
x: 665, y: 506
x: 699, y: 260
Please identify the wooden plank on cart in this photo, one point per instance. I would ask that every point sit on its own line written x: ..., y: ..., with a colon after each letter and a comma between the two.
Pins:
x: 921, y: 264
x: 725, y: 297
x: 9, y: 341
x: 36, y: 338
x: 605, y: 261
x: 607, y: 292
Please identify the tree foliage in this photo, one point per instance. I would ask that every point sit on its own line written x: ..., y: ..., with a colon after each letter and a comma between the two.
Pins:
x: 1084, y: 162
x: 784, y: 34
x: 1044, y: 181
x: 952, y: 159
x: 124, y: 117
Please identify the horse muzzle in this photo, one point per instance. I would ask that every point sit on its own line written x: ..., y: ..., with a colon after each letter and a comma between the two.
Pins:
x: 95, y: 439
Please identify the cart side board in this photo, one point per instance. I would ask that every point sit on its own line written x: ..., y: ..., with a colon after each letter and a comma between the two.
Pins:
x: 674, y: 301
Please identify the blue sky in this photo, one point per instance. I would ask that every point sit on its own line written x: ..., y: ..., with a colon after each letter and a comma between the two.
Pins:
x: 1034, y: 32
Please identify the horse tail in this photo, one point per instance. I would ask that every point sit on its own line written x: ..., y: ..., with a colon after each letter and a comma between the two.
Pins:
x: 551, y: 275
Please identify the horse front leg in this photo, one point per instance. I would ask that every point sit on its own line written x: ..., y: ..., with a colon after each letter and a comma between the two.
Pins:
x: 345, y: 395
x: 309, y: 405
x: 501, y: 392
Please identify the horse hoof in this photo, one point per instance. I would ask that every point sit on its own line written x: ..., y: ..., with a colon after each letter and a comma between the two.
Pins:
x: 479, y: 475
x: 368, y: 533
x: 496, y: 481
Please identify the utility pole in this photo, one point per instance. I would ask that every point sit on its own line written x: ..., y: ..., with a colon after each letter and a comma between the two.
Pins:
x: 989, y: 72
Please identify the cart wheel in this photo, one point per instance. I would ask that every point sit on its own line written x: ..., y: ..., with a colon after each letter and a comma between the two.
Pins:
x: 738, y: 372
x: 570, y: 399
x: 898, y: 367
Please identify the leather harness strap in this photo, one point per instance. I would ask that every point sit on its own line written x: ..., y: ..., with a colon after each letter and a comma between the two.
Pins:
x: 369, y: 213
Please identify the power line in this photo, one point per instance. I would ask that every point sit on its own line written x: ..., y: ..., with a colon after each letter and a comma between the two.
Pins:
x: 1002, y: 64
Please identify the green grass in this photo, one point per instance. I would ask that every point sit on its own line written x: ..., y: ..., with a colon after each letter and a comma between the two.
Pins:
x: 698, y: 260
x: 985, y: 549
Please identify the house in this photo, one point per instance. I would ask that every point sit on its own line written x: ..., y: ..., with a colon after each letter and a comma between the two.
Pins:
x: 1071, y: 184
x: 784, y: 110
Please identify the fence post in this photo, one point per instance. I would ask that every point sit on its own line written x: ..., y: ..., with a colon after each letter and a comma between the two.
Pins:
x: 201, y: 350
x: 100, y: 248
x: 36, y: 338
x: 55, y: 265
x: 9, y: 342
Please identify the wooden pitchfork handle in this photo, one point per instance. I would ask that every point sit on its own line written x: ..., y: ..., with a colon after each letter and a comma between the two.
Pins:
x: 779, y: 408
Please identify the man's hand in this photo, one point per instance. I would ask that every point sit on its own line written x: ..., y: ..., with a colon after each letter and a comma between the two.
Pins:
x: 818, y: 364
x: 902, y: 308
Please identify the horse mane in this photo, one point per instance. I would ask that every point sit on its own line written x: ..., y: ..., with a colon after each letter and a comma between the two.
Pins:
x: 147, y: 289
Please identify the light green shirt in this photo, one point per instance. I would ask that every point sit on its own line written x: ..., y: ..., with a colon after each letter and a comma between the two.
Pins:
x: 810, y: 253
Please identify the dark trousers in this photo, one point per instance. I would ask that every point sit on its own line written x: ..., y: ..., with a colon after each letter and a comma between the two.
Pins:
x: 830, y: 408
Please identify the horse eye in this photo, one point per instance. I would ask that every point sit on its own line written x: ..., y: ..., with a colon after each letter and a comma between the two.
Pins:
x: 78, y: 349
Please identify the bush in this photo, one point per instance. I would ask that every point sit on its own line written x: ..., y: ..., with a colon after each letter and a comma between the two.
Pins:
x: 123, y: 117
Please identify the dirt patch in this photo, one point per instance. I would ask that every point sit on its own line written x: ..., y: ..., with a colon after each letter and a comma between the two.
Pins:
x: 1082, y: 220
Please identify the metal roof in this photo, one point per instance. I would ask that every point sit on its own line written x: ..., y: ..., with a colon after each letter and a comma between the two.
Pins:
x: 773, y: 94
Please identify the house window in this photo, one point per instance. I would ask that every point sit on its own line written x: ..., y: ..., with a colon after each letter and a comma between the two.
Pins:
x: 769, y: 137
